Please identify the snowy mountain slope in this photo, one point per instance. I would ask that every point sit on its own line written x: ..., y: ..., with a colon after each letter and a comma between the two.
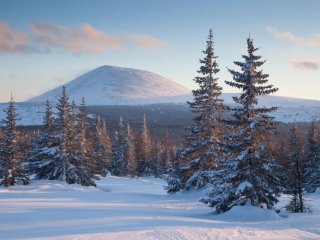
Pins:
x: 290, y: 110
x: 108, y: 85
x: 111, y: 86
x: 131, y: 209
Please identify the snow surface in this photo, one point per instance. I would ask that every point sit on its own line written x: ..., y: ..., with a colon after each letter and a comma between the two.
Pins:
x: 124, y: 208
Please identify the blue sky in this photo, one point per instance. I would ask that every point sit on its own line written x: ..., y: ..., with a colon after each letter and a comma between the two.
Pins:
x: 52, y: 42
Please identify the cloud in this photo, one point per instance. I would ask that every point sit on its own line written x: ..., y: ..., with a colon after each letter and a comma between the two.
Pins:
x: 305, y: 64
x: 82, y: 39
x: 12, y: 40
x: 149, y: 42
x: 291, y: 37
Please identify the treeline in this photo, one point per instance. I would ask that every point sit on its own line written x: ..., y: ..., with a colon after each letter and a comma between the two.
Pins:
x: 236, y: 158
x: 67, y: 148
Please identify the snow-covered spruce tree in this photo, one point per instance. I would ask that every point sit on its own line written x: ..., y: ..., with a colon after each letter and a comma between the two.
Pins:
x: 296, y: 171
x: 247, y: 174
x: 102, y: 149
x: 60, y: 155
x: 281, y: 150
x: 131, y: 153
x: 173, y: 170
x: 13, y: 167
x: 312, y: 161
x: 80, y: 144
x: 43, y: 147
x: 203, y: 145
x: 144, y: 149
x: 119, y: 161
x: 60, y: 167
x: 1, y: 161
x: 159, y: 156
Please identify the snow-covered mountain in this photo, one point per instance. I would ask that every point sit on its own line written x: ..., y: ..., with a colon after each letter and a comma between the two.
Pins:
x: 108, y: 85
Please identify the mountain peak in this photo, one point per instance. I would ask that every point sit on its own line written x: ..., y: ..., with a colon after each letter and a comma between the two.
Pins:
x: 110, y: 85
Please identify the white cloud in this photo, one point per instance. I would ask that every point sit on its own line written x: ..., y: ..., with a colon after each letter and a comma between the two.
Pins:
x: 82, y: 39
x: 147, y: 41
x: 291, y: 37
x: 12, y: 40
x: 305, y: 64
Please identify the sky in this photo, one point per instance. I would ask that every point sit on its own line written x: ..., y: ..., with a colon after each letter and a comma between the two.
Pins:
x: 44, y: 44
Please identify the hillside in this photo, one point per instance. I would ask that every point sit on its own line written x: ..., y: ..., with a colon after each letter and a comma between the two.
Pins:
x: 109, y: 85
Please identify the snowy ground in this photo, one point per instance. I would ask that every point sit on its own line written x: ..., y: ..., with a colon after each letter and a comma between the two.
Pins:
x: 123, y: 208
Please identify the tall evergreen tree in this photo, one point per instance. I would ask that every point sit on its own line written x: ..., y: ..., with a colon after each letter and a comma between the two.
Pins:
x: 12, y: 165
x: 159, y: 156
x: 312, y: 161
x: 102, y: 149
x: 202, y: 149
x: 131, y: 153
x: 80, y: 144
x: 145, y: 149
x: 42, y: 151
x: 296, y: 171
x: 119, y: 162
x: 247, y: 174
x: 83, y: 127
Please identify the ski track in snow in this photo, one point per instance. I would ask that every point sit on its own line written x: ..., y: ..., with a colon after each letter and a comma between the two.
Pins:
x: 124, y: 208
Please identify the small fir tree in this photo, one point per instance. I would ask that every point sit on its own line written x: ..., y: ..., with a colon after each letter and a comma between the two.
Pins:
x: 295, y: 183
x: 131, y: 153
x: 102, y: 149
x: 12, y: 165
x: 145, y: 149
x: 312, y: 161
x: 119, y: 162
x: 43, y: 147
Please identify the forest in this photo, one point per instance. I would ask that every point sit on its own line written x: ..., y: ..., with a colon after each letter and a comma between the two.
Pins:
x: 242, y: 159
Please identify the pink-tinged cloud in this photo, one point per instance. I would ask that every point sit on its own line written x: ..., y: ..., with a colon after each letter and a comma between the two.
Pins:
x: 305, y: 64
x: 291, y: 37
x: 12, y: 40
x: 147, y: 41
x: 82, y: 39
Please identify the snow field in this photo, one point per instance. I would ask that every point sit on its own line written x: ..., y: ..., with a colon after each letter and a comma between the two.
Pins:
x: 125, y: 208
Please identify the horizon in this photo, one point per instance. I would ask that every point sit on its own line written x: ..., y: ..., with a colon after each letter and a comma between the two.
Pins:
x: 49, y: 48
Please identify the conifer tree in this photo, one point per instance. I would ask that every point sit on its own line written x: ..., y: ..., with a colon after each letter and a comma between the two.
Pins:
x: 102, y: 149
x: 174, y: 182
x: 145, y: 147
x: 159, y: 156
x: 80, y: 144
x: 312, y: 161
x: 42, y: 151
x: 83, y: 127
x: 12, y: 165
x: 202, y: 149
x: 119, y: 162
x: 296, y: 171
x: 59, y: 154
x: 247, y: 174
x: 131, y: 153
x: 1, y: 160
